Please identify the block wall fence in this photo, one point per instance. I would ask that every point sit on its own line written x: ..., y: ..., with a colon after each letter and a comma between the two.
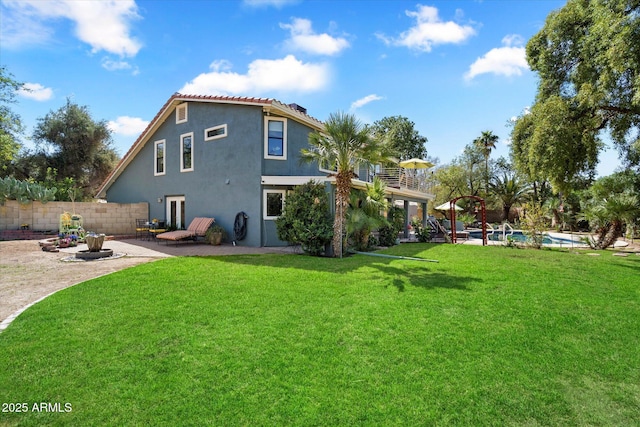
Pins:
x: 107, y: 218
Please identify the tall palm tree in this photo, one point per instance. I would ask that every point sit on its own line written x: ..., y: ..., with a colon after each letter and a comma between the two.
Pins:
x: 344, y: 144
x: 486, y: 142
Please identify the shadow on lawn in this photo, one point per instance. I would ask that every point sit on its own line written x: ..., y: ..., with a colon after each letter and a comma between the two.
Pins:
x: 422, y: 277
x: 413, y: 273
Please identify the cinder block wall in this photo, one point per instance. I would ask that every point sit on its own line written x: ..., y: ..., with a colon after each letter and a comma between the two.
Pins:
x: 107, y: 218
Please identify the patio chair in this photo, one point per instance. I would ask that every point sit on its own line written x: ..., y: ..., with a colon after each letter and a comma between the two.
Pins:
x: 157, y: 228
x: 142, y: 228
x: 197, y: 228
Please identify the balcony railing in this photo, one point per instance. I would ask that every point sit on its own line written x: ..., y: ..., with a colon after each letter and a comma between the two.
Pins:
x: 409, y: 179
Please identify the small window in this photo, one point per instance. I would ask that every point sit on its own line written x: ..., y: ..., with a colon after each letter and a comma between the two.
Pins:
x: 181, y: 113
x: 275, y: 141
x: 186, y: 152
x: 159, y: 157
x: 273, y: 203
x: 215, y: 132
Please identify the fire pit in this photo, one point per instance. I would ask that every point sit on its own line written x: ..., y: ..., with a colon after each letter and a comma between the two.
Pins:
x: 89, y: 255
x: 95, y: 251
x: 94, y: 242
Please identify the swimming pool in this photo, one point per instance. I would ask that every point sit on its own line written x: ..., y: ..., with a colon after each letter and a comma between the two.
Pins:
x: 519, y: 236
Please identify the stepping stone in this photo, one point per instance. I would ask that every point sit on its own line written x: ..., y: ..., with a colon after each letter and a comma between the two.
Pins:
x: 593, y: 254
x: 620, y: 254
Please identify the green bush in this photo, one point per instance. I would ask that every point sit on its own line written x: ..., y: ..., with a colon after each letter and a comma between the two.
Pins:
x: 423, y: 234
x: 306, y: 220
x: 388, y: 234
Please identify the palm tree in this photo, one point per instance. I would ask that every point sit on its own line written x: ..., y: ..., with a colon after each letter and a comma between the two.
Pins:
x: 365, y: 213
x: 608, y: 216
x: 343, y: 145
x: 511, y: 191
x: 486, y: 142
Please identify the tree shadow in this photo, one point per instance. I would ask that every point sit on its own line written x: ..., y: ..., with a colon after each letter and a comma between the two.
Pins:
x: 422, y: 277
x: 408, y: 273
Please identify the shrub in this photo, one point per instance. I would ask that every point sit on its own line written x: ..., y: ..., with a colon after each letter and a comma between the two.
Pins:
x: 533, y: 225
x: 306, y: 220
x: 422, y: 233
x: 389, y: 233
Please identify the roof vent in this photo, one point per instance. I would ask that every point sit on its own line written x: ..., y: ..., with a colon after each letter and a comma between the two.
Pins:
x: 298, y: 108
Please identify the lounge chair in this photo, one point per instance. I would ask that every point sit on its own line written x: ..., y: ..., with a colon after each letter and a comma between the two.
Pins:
x: 197, y: 228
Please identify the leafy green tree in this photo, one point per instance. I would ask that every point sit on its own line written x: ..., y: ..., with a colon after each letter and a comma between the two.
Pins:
x: 344, y: 144
x: 10, y: 123
x: 400, y: 133
x: 587, y: 57
x: 306, y: 220
x: 462, y: 177
x: 485, y: 143
x: 76, y: 146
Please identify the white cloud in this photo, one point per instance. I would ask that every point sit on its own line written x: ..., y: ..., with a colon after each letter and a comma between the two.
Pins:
x: 125, y: 125
x: 430, y: 31
x: 304, y: 39
x: 36, y: 91
x: 364, y: 101
x: 104, y: 25
x: 21, y: 29
x: 513, y: 40
x: 119, y: 65
x: 509, y: 60
x: 264, y: 75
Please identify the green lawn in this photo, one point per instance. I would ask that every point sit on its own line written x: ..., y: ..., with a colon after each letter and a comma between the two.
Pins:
x: 487, y: 336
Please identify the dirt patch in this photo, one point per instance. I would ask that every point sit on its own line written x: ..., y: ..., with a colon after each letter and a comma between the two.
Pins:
x: 28, y: 274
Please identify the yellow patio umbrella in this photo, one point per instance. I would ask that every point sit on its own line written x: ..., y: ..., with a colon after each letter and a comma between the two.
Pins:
x: 415, y: 164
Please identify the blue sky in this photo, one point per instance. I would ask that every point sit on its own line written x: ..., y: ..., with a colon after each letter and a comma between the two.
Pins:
x: 454, y: 68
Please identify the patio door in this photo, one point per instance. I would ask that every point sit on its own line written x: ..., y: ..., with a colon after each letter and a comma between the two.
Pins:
x: 175, y: 211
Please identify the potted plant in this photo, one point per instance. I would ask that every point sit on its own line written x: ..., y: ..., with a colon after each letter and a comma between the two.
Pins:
x: 64, y: 241
x: 215, y: 235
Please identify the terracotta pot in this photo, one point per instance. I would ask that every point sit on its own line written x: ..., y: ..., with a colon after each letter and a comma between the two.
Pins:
x: 215, y: 239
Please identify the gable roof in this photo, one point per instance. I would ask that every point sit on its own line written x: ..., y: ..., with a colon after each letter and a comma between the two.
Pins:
x: 269, y: 105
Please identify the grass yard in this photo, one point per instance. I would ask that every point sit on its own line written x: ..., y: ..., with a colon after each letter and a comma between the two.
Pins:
x: 487, y: 336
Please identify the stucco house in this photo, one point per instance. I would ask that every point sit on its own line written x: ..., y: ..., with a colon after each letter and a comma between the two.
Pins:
x: 216, y: 156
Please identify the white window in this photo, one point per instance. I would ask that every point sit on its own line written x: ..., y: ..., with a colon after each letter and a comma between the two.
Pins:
x: 215, y: 132
x: 186, y: 152
x: 181, y: 113
x: 275, y: 138
x: 273, y: 203
x: 159, y: 157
